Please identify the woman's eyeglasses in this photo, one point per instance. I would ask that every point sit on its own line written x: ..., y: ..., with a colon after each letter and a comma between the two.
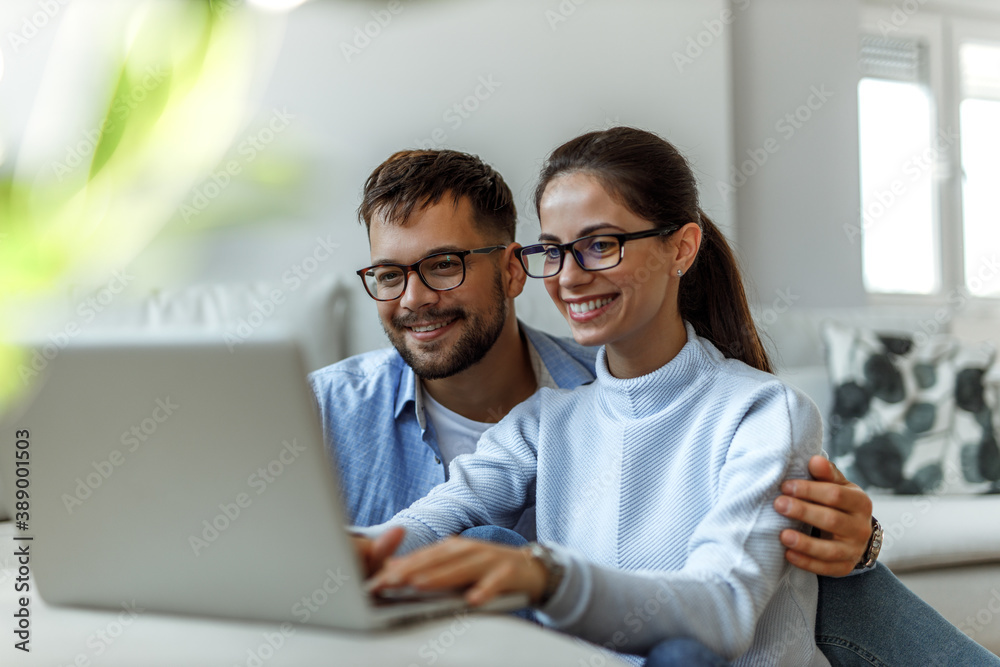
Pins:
x: 592, y: 253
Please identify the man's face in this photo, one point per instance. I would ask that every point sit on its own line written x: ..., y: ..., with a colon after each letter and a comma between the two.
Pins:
x: 440, y: 334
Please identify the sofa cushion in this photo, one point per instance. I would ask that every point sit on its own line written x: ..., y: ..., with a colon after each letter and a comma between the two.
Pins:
x: 911, y: 418
x: 938, y: 530
x: 315, y: 315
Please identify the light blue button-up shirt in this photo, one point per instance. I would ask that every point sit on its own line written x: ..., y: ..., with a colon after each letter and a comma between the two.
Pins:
x: 387, y: 454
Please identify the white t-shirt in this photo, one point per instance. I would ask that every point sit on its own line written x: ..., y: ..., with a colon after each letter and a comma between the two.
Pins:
x: 458, y: 435
x: 455, y: 434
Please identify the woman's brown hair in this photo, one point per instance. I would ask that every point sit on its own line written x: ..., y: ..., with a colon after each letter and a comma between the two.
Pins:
x: 648, y: 176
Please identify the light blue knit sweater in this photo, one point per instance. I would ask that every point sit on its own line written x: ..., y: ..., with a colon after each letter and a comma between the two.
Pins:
x: 656, y: 493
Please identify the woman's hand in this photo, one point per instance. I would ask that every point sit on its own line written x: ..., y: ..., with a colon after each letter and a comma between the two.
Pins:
x: 373, y: 553
x: 486, y: 569
x: 840, y: 509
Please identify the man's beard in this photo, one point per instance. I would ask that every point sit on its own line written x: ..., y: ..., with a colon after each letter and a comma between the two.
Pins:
x: 481, y: 332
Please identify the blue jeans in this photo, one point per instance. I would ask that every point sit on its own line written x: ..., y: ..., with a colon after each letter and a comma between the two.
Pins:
x: 872, y: 619
x: 683, y: 653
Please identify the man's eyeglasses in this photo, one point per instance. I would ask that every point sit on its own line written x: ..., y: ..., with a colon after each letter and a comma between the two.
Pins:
x: 592, y: 253
x: 440, y: 272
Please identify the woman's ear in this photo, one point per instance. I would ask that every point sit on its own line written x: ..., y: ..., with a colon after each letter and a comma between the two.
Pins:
x: 514, y: 275
x: 687, y: 241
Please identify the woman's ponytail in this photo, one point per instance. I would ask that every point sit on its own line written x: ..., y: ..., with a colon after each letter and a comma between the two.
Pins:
x: 713, y: 300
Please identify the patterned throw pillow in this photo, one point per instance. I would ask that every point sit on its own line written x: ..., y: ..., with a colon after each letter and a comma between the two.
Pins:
x: 975, y: 451
x: 910, y: 418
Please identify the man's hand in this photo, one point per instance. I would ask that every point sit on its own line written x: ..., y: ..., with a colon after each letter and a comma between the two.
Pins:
x: 840, y: 509
x: 373, y: 553
x: 485, y: 569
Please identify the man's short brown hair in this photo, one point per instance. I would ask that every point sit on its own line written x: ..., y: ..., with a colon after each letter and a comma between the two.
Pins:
x: 414, y: 179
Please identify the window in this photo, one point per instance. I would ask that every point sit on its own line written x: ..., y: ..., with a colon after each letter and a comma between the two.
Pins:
x: 929, y: 132
x: 979, y: 120
x: 895, y: 124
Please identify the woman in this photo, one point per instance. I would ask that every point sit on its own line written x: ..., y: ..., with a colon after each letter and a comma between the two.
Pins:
x: 654, y: 484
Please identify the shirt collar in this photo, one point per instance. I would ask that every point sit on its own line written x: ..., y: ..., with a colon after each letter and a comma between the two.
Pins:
x: 565, y: 370
x: 649, y: 394
x: 407, y: 390
x: 542, y: 375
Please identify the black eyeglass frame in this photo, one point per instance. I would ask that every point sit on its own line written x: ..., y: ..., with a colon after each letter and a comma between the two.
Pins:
x: 564, y: 247
x: 415, y: 268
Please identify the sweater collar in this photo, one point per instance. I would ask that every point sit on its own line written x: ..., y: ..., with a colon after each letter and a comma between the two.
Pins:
x: 649, y: 394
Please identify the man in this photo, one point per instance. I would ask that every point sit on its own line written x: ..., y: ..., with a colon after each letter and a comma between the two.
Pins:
x: 444, y: 277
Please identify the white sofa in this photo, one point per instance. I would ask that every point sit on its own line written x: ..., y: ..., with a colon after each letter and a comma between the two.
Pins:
x: 315, y: 314
x: 944, y: 548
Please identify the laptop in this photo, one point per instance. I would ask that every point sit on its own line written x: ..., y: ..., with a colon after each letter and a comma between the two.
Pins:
x: 189, y: 478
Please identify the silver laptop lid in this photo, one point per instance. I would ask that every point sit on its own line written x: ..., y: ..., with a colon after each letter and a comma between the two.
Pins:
x: 189, y: 478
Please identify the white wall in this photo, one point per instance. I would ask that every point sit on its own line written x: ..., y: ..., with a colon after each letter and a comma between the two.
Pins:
x: 605, y: 63
x: 788, y: 54
x: 563, y: 68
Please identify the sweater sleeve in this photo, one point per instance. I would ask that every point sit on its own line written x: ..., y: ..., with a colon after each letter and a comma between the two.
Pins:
x: 735, y: 560
x: 492, y: 486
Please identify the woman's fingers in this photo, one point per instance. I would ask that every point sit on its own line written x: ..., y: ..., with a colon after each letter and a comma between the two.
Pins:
x: 383, y: 547
x: 458, y: 572
x: 449, y: 563
x: 487, y: 570
x: 500, y: 578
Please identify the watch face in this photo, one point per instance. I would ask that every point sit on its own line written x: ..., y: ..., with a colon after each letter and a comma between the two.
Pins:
x: 876, y: 544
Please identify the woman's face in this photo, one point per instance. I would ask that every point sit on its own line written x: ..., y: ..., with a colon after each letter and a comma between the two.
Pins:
x: 629, y: 302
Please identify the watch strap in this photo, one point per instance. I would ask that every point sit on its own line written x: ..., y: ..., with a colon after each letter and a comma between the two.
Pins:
x: 554, y: 570
x: 870, y: 556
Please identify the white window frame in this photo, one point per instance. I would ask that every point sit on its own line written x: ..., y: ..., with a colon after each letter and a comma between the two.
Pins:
x: 961, y: 30
x: 928, y: 29
x: 942, y: 32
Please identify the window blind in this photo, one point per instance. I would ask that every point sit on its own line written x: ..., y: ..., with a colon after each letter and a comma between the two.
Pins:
x: 896, y: 58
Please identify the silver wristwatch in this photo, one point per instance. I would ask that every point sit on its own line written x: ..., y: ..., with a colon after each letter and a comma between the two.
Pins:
x: 874, y: 546
x: 554, y: 570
